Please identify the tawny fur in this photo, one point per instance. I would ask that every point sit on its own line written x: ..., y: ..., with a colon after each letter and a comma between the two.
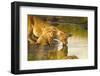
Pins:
x: 44, y: 32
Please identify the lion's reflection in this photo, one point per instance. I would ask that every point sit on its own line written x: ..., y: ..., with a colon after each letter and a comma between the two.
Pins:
x: 55, y: 51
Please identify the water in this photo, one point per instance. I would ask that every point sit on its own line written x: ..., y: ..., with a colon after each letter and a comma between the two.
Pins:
x: 77, y: 48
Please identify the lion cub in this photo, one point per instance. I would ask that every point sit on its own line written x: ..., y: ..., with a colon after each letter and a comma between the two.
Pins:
x: 48, y: 34
x: 44, y: 32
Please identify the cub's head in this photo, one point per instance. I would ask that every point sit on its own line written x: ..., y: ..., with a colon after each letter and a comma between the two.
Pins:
x: 63, y: 37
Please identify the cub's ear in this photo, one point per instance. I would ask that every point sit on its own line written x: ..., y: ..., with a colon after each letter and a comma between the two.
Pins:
x: 70, y: 35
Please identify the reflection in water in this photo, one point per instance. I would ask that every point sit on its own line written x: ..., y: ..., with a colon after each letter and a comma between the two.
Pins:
x: 52, y: 52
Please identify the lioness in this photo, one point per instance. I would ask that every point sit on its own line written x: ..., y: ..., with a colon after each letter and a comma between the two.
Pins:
x: 44, y: 32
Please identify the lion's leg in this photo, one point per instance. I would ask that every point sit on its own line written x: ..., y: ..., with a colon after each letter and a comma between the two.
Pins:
x: 49, y: 40
x: 31, y: 41
x: 39, y: 40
